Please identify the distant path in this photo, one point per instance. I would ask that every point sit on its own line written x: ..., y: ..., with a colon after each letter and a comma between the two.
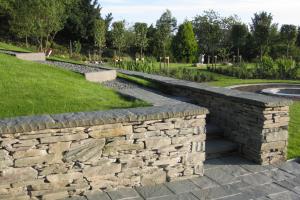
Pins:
x: 149, y: 95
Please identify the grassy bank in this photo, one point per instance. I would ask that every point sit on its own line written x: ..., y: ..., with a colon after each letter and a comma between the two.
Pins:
x: 11, y: 47
x: 30, y: 88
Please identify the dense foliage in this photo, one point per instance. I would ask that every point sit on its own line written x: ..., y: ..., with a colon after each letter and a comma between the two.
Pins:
x: 184, y: 73
x: 267, y: 68
x: 60, y: 24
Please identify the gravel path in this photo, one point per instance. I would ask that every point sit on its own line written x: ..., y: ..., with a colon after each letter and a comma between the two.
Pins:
x: 152, y: 96
x: 73, y: 67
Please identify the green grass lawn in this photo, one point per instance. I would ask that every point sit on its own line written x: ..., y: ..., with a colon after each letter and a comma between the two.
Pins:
x: 11, y: 47
x: 29, y: 88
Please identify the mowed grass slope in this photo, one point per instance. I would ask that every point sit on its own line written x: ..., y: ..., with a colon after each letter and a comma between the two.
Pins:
x: 10, y: 47
x: 294, y: 131
x: 29, y: 88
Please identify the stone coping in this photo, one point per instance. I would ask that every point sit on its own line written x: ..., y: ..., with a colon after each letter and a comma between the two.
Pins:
x: 82, y: 119
x: 240, y: 96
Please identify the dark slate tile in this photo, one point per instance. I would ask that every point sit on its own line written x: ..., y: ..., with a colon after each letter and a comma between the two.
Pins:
x: 252, y: 192
x: 291, y: 167
x: 215, y: 193
x: 204, y: 182
x: 256, y: 179
x: 284, y: 196
x: 291, y: 184
x: 238, y: 197
x: 123, y: 193
x: 236, y: 170
x: 279, y: 175
x: 272, y: 188
x: 150, y: 192
x: 184, y: 186
x: 184, y: 196
x: 213, y: 163
x: 221, y: 177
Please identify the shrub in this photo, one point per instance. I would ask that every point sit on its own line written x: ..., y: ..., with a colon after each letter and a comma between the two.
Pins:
x: 266, y: 68
x: 287, y: 68
x: 175, y: 72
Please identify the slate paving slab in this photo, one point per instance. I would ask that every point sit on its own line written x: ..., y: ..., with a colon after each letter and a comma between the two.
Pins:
x: 185, y: 196
x: 152, y: 192
x: 221, y: 176
x: 214, y: 163
x: 215, y: 193
x: 291, y: 167
x: 284, y: 196
x: 184, y: 186
x: 124, y: 193
x: 246, y: 164
x: 279, y: 175
x: 204, y: 182
x: 257, y: 179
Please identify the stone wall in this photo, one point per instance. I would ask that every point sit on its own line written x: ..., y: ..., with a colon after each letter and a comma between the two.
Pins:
x: 52, y: 157
x: 258, y: 123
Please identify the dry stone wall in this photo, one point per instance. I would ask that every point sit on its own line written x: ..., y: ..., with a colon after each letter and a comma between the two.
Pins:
x: 258, y: 123
x: 53, y: 157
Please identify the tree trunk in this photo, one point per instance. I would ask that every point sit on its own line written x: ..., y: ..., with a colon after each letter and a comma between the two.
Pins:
x: 238, y: 53
x: 26, y: 40
x: 287, y: 50
x: 141, y: 53
x: 261, y: 53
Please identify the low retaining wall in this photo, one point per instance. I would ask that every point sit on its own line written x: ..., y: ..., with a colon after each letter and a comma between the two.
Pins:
x: 52, y: 157
x: 31, y: 56
x: 102, y: 76
x: 258, y: 123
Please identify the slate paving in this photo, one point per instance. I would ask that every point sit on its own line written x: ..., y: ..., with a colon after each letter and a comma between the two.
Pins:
x: 151, y: 96
x: 228, y: 178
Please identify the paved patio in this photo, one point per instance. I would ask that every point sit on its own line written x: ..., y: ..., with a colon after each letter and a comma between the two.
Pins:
x: 229, y: 178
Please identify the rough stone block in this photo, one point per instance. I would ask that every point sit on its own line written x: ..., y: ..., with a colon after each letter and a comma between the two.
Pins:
x: 110, y: 130
x: 31, y: 56
x: 157, y: 143
x: 101, y: 76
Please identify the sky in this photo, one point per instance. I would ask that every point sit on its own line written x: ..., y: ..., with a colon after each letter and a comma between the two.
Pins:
x: 284, y: 11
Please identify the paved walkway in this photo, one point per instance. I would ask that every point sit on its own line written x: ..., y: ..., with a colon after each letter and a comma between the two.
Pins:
x: 229, y: 178
x: 154, y: 97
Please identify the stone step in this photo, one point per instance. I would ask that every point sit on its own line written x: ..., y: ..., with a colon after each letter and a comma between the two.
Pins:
x: 217, y: 148
x: 213, y: 132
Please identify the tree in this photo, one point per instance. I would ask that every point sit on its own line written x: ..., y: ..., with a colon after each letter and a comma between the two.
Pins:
x: 80, y: 23
x: 100, y: 32
x: 140, y: 36
x: 165, y: 26
x: 118, y: 36
x: 21, y: 18
x: 238, y: 36
x: 184, y: 44
x: 298, y: 38
x: 261, y: 29
x: 208, y: 31
x: 288, y: 34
